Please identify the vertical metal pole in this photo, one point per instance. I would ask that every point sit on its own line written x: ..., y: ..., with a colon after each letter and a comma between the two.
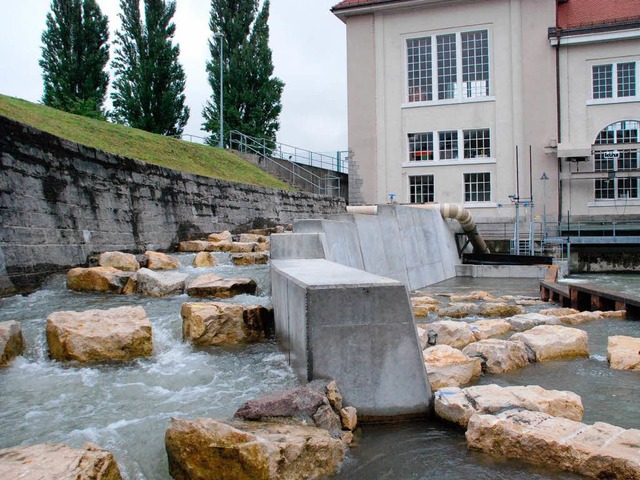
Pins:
x: 221, y: 142
x: 516, y: 232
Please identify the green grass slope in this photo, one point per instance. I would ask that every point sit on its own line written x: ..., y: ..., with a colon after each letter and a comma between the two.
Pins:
x: 130, y: 142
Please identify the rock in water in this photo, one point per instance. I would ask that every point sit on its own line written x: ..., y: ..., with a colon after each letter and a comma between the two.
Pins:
x: 500, y: 356
x: 224, y: 236
x: 204, y: 259
x: 623, y: 352
x: 121, y: 333
x: 300, y: 402
x: 58, y: 462
x: 555, y: 341
x: 452, y: 333
x: 449, y: 367
x: 119, y: 260
x: 99, y: 279
x: 214, y: 286
x: 254, y: 258
x: 203, y: 449
x: 11, y: 341
x: 160, y: 284
x: 161, y: 261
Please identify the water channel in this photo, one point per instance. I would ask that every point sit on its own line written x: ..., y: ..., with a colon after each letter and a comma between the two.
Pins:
x: 126, y: 408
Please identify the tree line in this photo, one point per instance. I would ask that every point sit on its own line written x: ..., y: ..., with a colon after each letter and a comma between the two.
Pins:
x: 149, y: 81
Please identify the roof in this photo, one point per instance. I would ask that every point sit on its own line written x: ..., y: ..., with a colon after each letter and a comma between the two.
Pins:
x: 584, y: 13
x: 345, y: 4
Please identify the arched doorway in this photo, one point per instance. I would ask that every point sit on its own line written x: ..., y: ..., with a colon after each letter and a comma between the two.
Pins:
x: 617, y: 151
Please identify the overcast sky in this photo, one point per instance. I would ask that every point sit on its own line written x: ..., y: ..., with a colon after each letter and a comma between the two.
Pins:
x: 309, y: 54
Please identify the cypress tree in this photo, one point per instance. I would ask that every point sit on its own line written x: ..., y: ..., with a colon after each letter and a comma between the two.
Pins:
x: 150, y: 82
x: 74, y: 56
x: 251, y: 93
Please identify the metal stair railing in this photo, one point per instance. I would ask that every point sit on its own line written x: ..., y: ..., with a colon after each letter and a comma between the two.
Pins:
x: 290, y: 162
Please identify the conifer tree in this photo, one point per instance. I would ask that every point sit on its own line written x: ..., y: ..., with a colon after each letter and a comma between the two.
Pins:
x: 251, y: 93
x: 150, y: 82
x: 74, y: 56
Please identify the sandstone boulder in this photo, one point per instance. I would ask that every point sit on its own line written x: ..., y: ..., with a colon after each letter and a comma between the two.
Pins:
x: 554, y: 341
x: 218, y: 246
x: 193, y: 246
x: 100, y: 279
x: 452, y: 333
x: 558, y: 312
x: 161, y: 261
x: 58, y: 462
x: 159, y: 283
x: 459, y: 405
x: 457, y: 310
x: 623, y: 353
x: 220, y: 237
x: 527, y: 321
x: 580, y: 317
x: 119, y: 260
x: 423, y: 305
x: 499, y: 356
x: 218, y: 323
x: 619, y: 314
x: 262, y: 247
x: 449, y: 367
x: 299, y: 402
x: 349, y: 418
x: 327, y: 419
x: 333, y: 395
x: 475, y: 296
x: 253, y: 238
x: 483, y: 329
x: 597, y: 451
x: 204, y: 448
x: 121, y: 333
x: 11, y: 341
x: 214, y: 286
x: 204, y: 259
x: 498, y: 309
x: 253, y: 258
x: 242, y: 247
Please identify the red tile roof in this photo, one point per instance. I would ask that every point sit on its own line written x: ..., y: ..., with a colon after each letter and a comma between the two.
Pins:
x: 360, y: 3
x: 577, y: 13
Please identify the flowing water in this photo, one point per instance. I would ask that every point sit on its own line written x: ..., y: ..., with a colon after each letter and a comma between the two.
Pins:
x: 126, y: 408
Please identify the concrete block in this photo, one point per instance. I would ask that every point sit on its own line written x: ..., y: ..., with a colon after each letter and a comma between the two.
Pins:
x: 298, y: 245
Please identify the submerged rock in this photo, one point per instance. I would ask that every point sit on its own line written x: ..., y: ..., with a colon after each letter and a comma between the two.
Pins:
x: 499, y: 356
x: 555, y: 341
x: 449, y: 367
x: 623, y: 353
x: 215, y: 286
x: 597, y: 451
x: 58, y: 462
x: 100, y: 279
x: 160, y: 284
x: 449, y: 332
x: 204, y: 448
x: 299, y: 402
x: 119, y: 260
x: 11, y: 341
x: 122, y: 333
x: 161, y: 261
x: 204, y: 259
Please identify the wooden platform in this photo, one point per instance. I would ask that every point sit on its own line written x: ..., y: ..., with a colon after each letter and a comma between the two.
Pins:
x: 588, y: 297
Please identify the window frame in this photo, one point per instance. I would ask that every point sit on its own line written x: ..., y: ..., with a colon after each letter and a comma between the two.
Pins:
x: 468, y: 192
x: 438, y: 138
x: 615, y: 82
x: 413, y: 194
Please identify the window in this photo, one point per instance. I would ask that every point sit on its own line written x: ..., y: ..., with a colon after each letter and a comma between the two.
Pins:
x: 477, y: 143
x: 421, y: 189
x: 477, y: 187
x: 615, y: 158
x: 461, y: 67
x: 448, y: 145
x: 615, y: 80
x: 420, y: 146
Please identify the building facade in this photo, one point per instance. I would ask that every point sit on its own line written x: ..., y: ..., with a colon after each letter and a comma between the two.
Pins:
x: 498, y: 105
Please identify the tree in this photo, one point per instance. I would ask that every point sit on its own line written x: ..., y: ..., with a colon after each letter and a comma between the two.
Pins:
x: 149, y: 84
x: 251, y: 93
x: 74, y: 56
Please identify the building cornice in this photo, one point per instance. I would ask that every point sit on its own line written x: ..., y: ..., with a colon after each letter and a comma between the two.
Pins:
x: 389, y: 5
x: 596, y: 33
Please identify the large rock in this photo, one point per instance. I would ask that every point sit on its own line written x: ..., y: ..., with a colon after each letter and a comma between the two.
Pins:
x: 161, y: 261
x: 623, y: 353
x: 499, y: 356
x: 452, y: 333
x: 457, y: 310
x: 204, y: 448
x: 423, y: 305
x: 214, y: 286
x: 597, y: 451
x: 100, y: 279
x: 221, y: 237
x: 554, y: 341
x: 526, y: 321
x: 253, y: 238
x: 119, y: 260
x: 253, y: 258
x: 242, y: 247
x: 193, y: 246
x: 558, y: 312
x: 299, y: 402
x: 218, y: 323
x: 218, y: 246
x: 204, y: 259
x: 11, y: 341
x: 121, y: 333
x: 449, y: 367
x: 458, y: 405
x: 349, y: 417
x: 483, y: 329
x: 475, y: 296
x: 160, y: 283
x: 58, y: 462
x: 499, y: 309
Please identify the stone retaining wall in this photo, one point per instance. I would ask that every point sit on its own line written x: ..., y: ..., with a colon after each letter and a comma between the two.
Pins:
x: 61, y: 202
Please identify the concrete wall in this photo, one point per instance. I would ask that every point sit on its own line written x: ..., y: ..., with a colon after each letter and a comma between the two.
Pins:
x: 61, y: 202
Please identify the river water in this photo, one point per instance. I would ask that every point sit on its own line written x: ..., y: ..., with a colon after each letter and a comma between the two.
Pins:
x: 126, y: 408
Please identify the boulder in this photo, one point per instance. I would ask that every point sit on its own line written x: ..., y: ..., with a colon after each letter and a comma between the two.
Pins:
x: 218, y: 246
x: 527, y: 321
x: 452, y: 333
x: 475, y: 296
x: 121, y: 333
x: 11, y: 341
x: 483, y: 329
x: 217, y: 323
x: 253, y: 258
x: 619, y: 314
x: 204, y: 259
x: 333, y: 395
x: 623, y: 353
x: 449, y: 367
x: 458, y: 405
x: 327, y: 419
x: 161, y: 261
x: 299, y: 402
x: 160, y: 284
x: 580, y: 317
x: 242, y: 247
x: 193, y: 246
x: 423, y: 305
x: 49, y: 461
x: 457, y: 310
x: 498, y: 309
x: 119, y: 260
x: 597, y: 451
x: 224, y: 236
x: 349, y: 417
x: 554, y: 341
x: 253, y: 238
x: 558, y: 312
x: 499, y: 356
x: 204, y: 448
x: 100, y: 279
x: 262, y: 247
x: 214, y: 286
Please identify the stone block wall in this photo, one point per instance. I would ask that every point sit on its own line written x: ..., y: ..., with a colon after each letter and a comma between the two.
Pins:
x: 61, y: 202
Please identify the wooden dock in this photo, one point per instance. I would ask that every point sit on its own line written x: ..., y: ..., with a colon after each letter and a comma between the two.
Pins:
x: 588, y: 297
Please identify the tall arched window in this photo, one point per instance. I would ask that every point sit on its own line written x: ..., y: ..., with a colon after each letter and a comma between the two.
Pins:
x: 617, y: 151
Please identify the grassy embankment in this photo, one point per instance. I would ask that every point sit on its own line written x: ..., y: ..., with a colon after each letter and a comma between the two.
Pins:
x: 130, y: 142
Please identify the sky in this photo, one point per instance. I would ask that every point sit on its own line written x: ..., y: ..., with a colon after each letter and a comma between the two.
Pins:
x: 309, y: 55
